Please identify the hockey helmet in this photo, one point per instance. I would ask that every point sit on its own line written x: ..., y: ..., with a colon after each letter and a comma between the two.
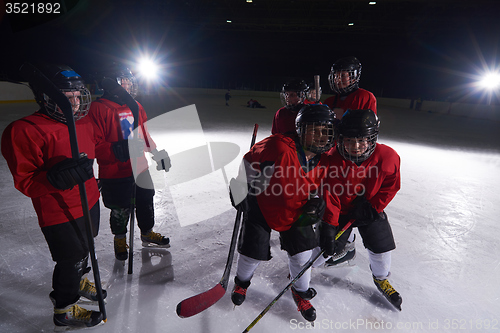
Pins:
x: 294, y: 93
x: 312, y: 95
x: 344, y: 75
x: 122, y: 75
x: 357, y: 134
x: 315, y: 126
x: 70, y: 83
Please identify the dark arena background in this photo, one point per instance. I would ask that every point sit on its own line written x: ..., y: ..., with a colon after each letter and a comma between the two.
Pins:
x: 425, y: 62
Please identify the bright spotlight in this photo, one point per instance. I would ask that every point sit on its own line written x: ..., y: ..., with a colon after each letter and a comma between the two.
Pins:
x: 490, y: 81
x: 148, y: 69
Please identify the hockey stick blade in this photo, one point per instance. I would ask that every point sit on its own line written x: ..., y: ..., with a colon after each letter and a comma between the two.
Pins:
x: 198, y: 303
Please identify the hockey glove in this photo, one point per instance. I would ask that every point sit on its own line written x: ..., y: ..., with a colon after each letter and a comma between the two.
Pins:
x: 70, y: 172
x: 120, y: 149
x: 162, y: 159
x: 124, y: 149
x: 362, y: 212
x: 238, y: 192
x: 327, y: 238
x: 312, y: 212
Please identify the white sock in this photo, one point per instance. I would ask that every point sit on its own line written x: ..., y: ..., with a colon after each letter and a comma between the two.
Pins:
x: 295, y: 264
x: 321, y: 260
x: 380, y: 264
x: 246, y: 267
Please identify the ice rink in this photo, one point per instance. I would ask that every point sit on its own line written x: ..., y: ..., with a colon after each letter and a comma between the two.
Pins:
x: 445, y: 221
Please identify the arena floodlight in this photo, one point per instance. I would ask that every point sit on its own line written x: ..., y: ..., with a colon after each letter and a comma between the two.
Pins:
x: 490, y: 81
x: 148, y: 69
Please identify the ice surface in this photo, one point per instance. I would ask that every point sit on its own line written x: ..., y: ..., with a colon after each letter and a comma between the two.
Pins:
x: 445, y: 222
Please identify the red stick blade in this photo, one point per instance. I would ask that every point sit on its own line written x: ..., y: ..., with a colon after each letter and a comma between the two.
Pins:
x: 198, y: 303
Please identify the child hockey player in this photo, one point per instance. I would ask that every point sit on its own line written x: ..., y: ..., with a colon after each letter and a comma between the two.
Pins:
x: 293, y: 95
x: 365, y: 176
x: 113, y: 122
x: 284, y: 173
x: 38, y: 154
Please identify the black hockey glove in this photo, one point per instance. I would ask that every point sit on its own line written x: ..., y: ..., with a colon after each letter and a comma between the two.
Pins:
x: 120, y: 149
x: 312, y: 212
x: 327, y: 238
x: 70, y: 172
x: 124, y: 149
x: 238, y: 193
x: 362, y: 212
x: 162, y: 159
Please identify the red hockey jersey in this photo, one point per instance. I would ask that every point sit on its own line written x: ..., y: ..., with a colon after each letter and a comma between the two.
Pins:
x: 287, y: 186
x: 359, y: 99
x: 34, y: 144
x: 377, y: 178
x: 114, y: 122
x: 284, y: 121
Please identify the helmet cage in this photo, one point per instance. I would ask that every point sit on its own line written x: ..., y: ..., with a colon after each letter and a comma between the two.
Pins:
x: 371, y: 139
x: 317, y: 137
x: 285, y: 99
x: 134, y: 86
x: 335, y: 79
x: 79, y: 111
x: 297, y: 86
x: 311, y: 94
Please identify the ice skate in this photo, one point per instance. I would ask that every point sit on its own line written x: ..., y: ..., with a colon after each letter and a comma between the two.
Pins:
x: 305, y: 307
x: 121, y: 247
x: 343, y: 258
x: 88, y: 292
x: 389, y: 292
x: 239, y: 291
x: 74, y: 317
x: 154, y: 239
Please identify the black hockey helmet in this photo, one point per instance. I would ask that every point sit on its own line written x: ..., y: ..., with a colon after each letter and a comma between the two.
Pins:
x: 70, y: 83
x: 311, y: 93
x: 122, y: 74
x: 300, y: 87
x: 344, y: 75
x: 315, y: 124
x: 359, y: 125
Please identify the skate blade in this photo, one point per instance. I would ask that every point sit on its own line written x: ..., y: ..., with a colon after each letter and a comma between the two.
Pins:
x: 148, y: 244
x: 398, y: 307
x: 349, y: 263
x: 76, y: 328
x: 86, y: 301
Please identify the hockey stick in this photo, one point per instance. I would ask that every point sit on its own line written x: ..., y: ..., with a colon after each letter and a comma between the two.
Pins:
x: 317, y: 87
x: 198, y: 303
x: 114, y: 88
x: 32, y: 74
x: 289, y: 285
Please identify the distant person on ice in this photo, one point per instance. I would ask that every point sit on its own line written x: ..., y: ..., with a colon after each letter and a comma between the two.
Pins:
x: 366, y: 179
x: 38, y: 153
x: 227, y: 96
x: 252, y: 103
x: 113, y: 124
x: 277, y: 201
